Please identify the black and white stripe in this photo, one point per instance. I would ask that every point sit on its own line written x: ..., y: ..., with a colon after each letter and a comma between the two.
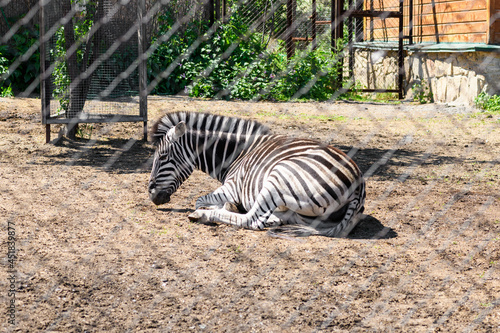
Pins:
x: 268, y: 180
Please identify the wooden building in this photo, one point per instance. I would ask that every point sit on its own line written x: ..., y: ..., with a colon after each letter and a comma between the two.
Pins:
x: 440, y: 21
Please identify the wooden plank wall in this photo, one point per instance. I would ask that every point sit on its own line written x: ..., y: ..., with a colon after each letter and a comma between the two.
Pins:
x: 438, y: 21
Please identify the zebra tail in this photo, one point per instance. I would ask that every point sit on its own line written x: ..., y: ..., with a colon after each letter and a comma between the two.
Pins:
x: 292, y: 230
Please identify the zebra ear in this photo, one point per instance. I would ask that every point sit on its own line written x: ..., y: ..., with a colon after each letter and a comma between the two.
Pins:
x: 176, y: 132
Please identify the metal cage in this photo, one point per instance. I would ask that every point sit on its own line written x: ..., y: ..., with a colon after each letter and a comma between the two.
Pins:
x: 95, y: 73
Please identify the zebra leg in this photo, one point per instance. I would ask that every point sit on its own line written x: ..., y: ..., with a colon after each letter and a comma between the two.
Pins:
x: 247, y: 221
x: 353, y: 215
x: 216, y: 200
x: 257, y: 218
x: 338, y: 223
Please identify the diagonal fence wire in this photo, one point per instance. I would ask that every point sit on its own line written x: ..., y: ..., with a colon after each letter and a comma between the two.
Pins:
x: 277, y: 256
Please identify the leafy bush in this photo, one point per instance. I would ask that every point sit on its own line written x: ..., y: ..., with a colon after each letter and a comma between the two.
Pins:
x: 5, y: 90
x: 168, y: 57
x: 488, y: 102
x: 60, y: 74
x: 422, y: 93
x: 233, y: 63
x: 29, y: 69
x: 4, y: 68
x: 311, y: 75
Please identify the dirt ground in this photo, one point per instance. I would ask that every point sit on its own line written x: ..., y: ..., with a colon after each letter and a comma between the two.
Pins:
x: 94, y: 254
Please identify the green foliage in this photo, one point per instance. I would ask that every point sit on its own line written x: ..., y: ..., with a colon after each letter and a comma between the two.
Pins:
x: 422, y: 93
x: 168, y: 57
x: 4, y: 63
x: 60, y: 73
x: 488, y: 102
x: 310, y: 75
x: 18, y: 47
x: 233, y: 63
x: 5, y: 91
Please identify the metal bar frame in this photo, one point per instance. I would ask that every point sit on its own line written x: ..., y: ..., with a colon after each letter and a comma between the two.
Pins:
x: 314, y: 17
x: 45, y: 87
x: 352, y: 13
x: 44, y: 83
x: 401, y: 64
x: 106, y: 118
x: 290, y: 17
x: 374, y: 13
x: 143, y: 58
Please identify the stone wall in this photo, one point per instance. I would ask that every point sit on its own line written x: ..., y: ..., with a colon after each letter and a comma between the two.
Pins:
x: 376, y: 69
x: 452, y: 75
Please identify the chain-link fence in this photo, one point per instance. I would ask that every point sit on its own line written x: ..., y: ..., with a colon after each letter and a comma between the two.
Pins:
x: 85, y: 249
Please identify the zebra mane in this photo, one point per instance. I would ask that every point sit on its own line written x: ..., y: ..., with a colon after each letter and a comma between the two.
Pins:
x: 206, y: 122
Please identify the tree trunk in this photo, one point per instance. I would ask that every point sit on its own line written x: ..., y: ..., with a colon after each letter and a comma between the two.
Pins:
x: 80, y: 84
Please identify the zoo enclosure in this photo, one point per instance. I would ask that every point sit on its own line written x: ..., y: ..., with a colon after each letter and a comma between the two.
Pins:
x: 407, y: 160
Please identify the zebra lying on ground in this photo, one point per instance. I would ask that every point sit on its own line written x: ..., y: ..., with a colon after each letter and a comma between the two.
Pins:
x: 304, y: 186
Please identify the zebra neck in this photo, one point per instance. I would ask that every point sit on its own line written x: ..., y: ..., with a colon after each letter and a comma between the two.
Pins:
x: 217, y: 151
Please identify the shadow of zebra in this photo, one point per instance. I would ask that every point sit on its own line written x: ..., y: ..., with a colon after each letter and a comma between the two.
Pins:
x: 368, y: 228
x: 371, y: 228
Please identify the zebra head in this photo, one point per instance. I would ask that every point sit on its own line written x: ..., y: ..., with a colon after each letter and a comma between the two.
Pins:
x: 171, y: 165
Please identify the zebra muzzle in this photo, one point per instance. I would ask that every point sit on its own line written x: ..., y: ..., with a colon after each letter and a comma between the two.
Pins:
x: 159, y: 197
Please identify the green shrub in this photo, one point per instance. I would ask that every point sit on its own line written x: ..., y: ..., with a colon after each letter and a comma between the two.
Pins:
x: 233, y: 63
x: 311, y: 75
x: 422, y: 93
x: 168, y: 56
x: 5, y: 90
x: 18, y: 46
x: 488, y: 102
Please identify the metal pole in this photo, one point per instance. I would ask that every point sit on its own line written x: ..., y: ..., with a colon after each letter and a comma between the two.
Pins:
x: 224, y: 10
x: 211, y: 17
x: 44, y: 89
x: 313, y: 21
x: 350, y: 29
x: 333, y: 25
x: 400, y: 52
x: 143, y: 86
x: 359, y: 26
x: 290, y: 46
x: 410, y: 23
x: 337, y: 22
x: 337, y: 34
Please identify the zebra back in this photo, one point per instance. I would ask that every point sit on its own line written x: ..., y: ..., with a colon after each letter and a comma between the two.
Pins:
x: 205, y: 122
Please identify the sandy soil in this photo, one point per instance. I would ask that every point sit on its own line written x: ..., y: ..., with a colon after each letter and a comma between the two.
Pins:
x: 94, y: 254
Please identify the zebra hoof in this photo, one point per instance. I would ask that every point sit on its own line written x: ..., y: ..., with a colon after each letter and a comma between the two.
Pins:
x: 194, y: 217
x: 198, y: 216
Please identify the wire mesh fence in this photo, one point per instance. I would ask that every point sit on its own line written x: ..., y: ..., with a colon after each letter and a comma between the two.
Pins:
x: 85, y: 249
x: 116, y: 59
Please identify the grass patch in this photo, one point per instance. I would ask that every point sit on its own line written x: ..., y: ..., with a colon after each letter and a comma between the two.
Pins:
x: 358, y: 96
x: 323, y: 117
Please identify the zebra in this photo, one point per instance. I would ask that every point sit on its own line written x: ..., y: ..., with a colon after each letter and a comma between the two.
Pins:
x: 295, y: 187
